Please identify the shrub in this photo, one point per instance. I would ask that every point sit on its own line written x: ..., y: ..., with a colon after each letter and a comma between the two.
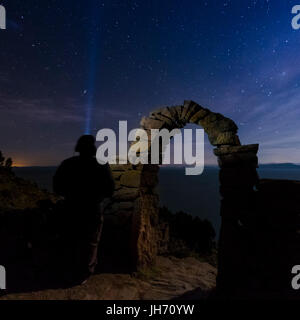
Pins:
x: 189, y: 235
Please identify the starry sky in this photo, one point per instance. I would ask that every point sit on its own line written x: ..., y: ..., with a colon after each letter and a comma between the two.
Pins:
x: 67, y: 67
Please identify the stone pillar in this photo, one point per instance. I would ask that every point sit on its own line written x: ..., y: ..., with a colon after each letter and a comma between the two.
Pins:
x: 238, y: 177
x: 131, y: 217
x: 116, y: 251
x: 144, y: 237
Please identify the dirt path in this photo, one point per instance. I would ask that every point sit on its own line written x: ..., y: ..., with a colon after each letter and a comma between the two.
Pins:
x: 172, y: 278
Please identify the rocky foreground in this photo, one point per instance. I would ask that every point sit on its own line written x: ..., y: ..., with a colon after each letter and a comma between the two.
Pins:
x: 29, y: 216
x: 172, y: 278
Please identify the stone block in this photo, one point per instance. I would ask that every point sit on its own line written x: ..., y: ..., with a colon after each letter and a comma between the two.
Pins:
x: 126, y: 194
x: 117, y: 185
x: 149, y: 123
x: 128, y: 205
x: 175, y: 117
x: 179, y: 110
x: 116, y: 175
x: 209, y: 121
x: 250, y: 148
x: 238, y: 160
x: 193, y: 109
x: 226, y: 124
x: 163, y: 111
x: 157, y: 116
x: 188, y: 104
x: 131, y: 179
x: 116, y: 207
x: 120, y: 167
x: 224, y: 138
x: 149, y: 179
x: 186, y: 107
x: 199, y: 115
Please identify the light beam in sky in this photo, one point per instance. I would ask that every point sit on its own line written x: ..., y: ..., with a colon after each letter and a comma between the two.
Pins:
x: 94, y: 35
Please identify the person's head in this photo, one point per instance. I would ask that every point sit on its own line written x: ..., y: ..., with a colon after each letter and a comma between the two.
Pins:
x: 86, y: 146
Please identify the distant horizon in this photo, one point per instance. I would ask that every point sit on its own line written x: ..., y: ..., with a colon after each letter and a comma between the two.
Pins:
x: 164, y: 166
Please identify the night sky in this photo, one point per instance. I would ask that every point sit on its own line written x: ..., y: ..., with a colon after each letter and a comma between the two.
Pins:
x: 63, y: 62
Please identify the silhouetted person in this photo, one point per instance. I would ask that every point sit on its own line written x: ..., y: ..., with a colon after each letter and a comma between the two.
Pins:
x: 84, y: 183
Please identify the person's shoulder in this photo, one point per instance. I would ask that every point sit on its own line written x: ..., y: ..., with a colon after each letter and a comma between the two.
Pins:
x: 70, y: 161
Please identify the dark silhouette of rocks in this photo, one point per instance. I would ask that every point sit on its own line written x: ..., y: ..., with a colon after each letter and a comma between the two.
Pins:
x: 5, y: 163
x: 18, y: 193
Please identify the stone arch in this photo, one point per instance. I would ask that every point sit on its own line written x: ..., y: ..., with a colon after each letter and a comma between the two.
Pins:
x: 134, y: 207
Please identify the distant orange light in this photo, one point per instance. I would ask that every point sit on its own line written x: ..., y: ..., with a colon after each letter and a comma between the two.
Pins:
x: 20, y: 164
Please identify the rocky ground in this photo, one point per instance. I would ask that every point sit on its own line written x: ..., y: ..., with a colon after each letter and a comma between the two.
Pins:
x: 19, y: 194
x: 172, y: 278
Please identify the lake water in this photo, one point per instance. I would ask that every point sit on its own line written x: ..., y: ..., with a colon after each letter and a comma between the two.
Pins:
x: 197, y: 195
